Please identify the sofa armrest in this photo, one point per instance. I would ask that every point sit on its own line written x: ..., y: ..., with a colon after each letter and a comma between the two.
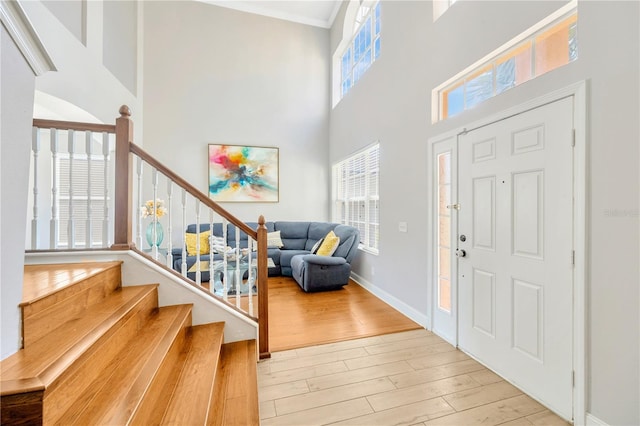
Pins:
x: 176, y: 251
x: 324, y: 260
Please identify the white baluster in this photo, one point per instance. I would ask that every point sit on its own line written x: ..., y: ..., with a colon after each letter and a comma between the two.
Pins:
x: 35, y: 147
x: 88, y: 230
x: 54, y: 223
x: 250, y: 277
x: 225, y: 264
x: 71, y: 234
x: 198, y: 277
x: 170, y: 227
x: 238, y: 273
x: 138, y: 208
x: 184, y: 227
x: 154, y: 220
x: 105, y: 165
x: 212, y: 278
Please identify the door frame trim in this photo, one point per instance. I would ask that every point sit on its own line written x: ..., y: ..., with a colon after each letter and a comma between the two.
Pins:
x: 580, y: 237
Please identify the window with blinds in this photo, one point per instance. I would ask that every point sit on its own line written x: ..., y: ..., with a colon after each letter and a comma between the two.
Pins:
x: 81, y: 197
x: 356, y: 182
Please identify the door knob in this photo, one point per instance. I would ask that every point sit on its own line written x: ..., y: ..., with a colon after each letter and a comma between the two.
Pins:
x: 461, y: 253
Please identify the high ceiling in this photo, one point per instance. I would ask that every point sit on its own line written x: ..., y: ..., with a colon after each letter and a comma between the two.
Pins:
x: 319, y: 13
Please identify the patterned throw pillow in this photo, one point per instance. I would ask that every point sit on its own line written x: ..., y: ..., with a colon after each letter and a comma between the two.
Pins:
x: 274, y: 240
x: 218, y: 244
x: 329, y: 245
x: 191, y: 240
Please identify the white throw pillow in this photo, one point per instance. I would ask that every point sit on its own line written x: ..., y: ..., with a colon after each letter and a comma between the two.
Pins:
x: 218, y: 244
x: 274, y: 240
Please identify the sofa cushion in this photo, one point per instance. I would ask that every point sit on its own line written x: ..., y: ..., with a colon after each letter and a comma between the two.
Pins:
x: 349, y: 241
x: 217, y: 228
x: 294, y: 234
x: 317, y: 231
x: 285, y: 260
x: 231, y: 233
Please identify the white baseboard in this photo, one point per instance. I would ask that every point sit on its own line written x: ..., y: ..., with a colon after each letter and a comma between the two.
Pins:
x: 592, y: 420
x: 396, y: 303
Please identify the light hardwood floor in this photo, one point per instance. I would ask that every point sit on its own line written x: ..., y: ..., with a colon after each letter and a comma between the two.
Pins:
x: 298, y: 319
x: 407, y: 378
x: 355, y: 363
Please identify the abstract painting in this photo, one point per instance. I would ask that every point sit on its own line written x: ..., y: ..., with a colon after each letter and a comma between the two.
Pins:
x: 243, y: 173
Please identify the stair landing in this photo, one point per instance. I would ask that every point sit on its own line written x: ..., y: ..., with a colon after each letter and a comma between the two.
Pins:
x: 42, y: 280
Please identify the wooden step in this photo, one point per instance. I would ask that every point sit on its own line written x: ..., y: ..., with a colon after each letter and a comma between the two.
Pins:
x: 192, y: 394
x: 114, y: 396
x: 64, y: 362
x: 100, y: 353
x: 55, y: 293
x: 235, y: 399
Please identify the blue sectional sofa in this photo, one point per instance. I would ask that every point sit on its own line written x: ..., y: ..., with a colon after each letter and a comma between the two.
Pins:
x: 312, y: 272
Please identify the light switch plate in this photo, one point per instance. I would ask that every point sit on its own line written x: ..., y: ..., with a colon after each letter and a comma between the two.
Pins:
x: 402, y: 226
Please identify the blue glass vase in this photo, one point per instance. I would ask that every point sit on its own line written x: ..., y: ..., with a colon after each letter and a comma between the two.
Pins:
x: 159, y: 235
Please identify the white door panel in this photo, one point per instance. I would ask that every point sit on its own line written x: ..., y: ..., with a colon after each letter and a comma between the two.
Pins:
x: 515, y: 282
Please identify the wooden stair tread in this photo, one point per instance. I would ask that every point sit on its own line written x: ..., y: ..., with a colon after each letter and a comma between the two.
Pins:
x: 51, y: 355
x: 236, y: 394
x: 115, y: 395
x: 46, y: 279
x: 192, y: 395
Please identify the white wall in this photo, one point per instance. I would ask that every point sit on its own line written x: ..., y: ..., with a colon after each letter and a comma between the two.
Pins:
x: 82, y: 78
x: 17, y: 82
x: 214, y: 75
x: 392, y: 103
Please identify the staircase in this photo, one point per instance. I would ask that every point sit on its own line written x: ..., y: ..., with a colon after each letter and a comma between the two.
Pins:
x: 99, y: 353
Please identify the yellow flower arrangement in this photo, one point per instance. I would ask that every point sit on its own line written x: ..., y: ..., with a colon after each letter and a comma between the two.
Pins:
x: 151, y: 208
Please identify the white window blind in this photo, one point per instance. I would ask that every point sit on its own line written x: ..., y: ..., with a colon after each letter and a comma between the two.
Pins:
x: 356, y: 196
x: 76, y: 187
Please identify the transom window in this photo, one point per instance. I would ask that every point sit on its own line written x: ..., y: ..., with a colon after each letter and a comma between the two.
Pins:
x: 356, y: 200
x: 546, y: 46
x: 364, y: 47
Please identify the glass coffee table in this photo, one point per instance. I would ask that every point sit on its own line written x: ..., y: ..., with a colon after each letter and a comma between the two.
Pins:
x: 240, y: 276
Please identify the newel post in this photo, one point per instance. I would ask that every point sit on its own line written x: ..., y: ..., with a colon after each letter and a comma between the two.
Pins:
x: 123, y: 236
x: 263, y: 290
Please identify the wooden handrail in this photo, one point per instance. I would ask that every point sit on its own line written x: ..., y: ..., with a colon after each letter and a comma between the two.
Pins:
x: 195, y: 192
x: 73, y: 125
x: 123, y: 203
x: 124, y: 144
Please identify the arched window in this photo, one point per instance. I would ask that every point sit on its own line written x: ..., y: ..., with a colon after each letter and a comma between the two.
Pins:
x: 360, y: 45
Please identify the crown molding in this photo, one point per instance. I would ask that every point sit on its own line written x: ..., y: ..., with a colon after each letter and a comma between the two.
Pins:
x: 21, y: 30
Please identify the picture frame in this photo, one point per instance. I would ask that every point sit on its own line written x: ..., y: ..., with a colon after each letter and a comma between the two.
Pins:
x: 239, y: 173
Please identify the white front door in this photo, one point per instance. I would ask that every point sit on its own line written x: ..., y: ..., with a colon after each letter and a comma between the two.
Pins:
x: 515, y: 270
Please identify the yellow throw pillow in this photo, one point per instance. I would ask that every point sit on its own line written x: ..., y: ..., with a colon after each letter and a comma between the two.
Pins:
x: 329, y: 245
x: 191, y: 240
